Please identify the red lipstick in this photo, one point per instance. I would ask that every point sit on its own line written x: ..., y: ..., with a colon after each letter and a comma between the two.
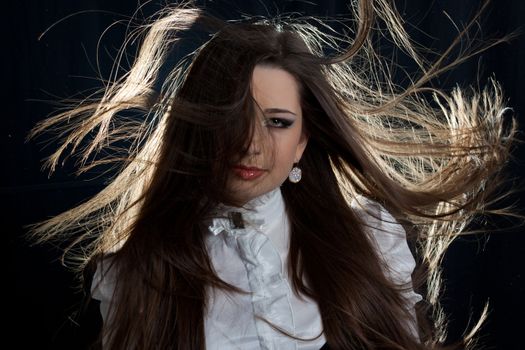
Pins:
x: 247, y: 173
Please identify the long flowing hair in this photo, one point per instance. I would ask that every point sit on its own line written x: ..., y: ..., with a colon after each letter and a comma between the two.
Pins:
x: 431, y: 158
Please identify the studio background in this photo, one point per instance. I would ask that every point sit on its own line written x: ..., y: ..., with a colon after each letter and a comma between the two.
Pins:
x: 42, y: 300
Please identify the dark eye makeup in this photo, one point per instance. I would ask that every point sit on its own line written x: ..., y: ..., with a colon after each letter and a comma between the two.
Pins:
x: 281, y: 123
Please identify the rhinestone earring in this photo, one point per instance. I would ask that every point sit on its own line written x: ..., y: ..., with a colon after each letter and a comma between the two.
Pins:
x: 295, y: 175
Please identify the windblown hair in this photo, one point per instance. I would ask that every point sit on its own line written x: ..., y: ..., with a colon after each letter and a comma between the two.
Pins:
x: 431, y: 158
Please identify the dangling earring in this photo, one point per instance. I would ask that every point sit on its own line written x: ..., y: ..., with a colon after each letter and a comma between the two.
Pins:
x: 295, y: 175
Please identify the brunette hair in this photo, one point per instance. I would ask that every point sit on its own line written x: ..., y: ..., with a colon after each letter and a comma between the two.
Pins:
x: 431, y: 158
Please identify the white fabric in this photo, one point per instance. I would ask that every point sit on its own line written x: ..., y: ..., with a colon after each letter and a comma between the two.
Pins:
x: 390, y: 241
x: 254, y: 259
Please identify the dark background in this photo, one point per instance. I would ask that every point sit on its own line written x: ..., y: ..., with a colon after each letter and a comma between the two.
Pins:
x: 42, y: 299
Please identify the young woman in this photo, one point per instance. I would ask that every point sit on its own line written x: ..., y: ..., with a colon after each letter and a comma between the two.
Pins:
x: 265, y: 198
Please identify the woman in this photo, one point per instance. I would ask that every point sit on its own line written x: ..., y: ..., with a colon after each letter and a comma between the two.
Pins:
x: 255, y: 206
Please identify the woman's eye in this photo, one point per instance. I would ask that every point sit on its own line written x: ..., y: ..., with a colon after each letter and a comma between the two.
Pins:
x: 278, y: 123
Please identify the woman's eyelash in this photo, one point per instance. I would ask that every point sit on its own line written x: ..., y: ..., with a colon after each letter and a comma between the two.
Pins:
x: 278, y: 122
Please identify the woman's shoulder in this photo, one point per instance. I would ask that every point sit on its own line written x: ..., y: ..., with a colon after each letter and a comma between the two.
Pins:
x: 104, y: 279
x: 377, y: 219
x: 387, y: 235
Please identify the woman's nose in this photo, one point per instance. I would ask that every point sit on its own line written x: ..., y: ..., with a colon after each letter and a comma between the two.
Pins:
x: 255, y: 148
x: 255, y: 144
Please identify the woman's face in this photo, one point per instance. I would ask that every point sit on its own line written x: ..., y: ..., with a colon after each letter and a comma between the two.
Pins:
x: 278, y: 141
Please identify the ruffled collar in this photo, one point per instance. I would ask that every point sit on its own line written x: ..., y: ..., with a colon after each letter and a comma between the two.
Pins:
x: 251, y: 243
x: 254, y: 213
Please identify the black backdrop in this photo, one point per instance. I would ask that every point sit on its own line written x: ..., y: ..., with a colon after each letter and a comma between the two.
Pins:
x: 41, y: 300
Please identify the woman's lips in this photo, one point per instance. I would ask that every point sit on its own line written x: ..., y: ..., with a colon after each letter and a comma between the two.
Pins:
x: 247, y: 173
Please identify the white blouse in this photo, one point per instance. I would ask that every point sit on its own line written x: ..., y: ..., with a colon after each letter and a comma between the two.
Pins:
x: 249, y: 248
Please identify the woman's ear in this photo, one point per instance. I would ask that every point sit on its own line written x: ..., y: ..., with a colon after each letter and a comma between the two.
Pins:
x: 301, y: 146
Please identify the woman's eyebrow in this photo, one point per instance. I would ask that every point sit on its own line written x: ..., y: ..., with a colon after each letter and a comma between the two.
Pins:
x: 277, y: 110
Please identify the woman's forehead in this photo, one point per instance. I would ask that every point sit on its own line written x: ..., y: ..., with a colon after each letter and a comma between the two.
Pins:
x: 276, y: 89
